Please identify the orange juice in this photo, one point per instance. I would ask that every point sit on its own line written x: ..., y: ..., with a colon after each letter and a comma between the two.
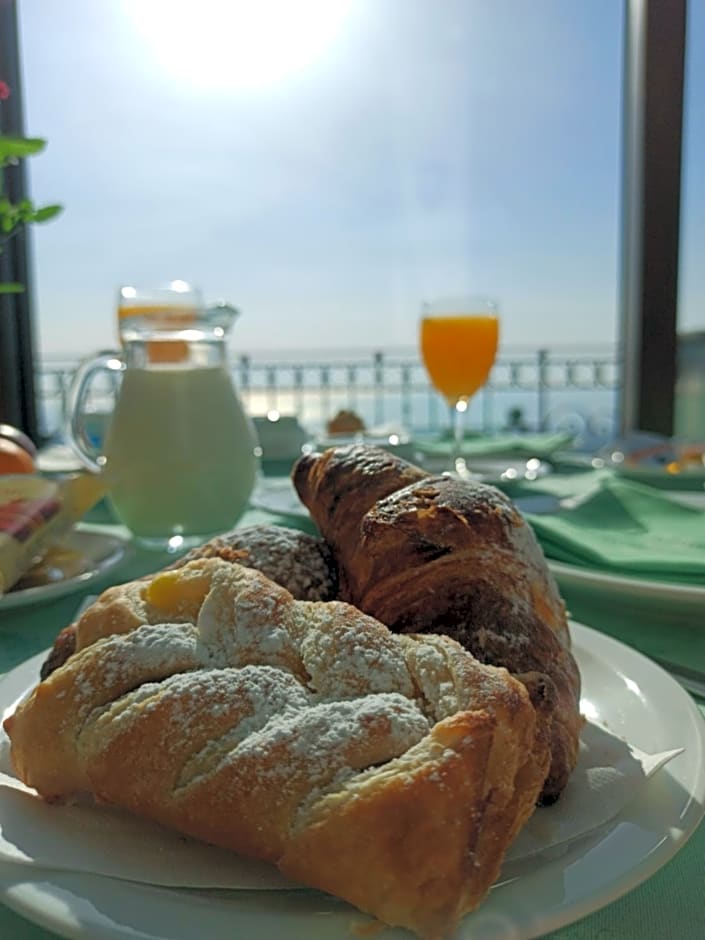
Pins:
x: 160, y: 316
x: 167, y: 317
x: 458, y: 351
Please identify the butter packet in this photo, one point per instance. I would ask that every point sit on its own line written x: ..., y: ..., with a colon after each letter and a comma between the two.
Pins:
x: 35, y: 513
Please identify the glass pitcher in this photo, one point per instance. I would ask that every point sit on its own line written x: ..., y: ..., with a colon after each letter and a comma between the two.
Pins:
x: 180, y: 454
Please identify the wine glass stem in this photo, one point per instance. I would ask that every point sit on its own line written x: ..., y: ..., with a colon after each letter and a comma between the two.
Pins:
x: 458, y: 422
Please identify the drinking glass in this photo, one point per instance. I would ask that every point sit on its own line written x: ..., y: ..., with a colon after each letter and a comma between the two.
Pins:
x: 458, y: 339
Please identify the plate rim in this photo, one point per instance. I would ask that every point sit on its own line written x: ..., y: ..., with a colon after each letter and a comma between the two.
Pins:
x: 642, y: 587
x: 121, y: 549
x: 28, y: 896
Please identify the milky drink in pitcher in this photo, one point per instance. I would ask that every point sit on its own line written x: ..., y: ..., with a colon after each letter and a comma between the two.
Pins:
x: 179, y: 454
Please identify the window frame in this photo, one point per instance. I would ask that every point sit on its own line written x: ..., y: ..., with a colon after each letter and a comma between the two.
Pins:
x: 653, y: 94
x: 18, y: 401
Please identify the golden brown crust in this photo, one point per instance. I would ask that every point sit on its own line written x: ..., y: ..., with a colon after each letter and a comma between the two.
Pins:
x: 441, y: 555
x: 64, y: 646
x: 322, y: 480
x: 391, y: 770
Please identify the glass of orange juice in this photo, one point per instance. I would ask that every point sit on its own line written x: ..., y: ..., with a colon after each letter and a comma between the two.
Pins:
x: 459, y: 338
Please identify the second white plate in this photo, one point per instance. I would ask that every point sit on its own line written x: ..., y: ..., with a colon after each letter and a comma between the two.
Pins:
x: 654, y: 601
x: 95, y: 554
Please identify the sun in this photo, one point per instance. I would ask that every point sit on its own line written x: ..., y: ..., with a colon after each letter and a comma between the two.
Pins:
x: 236, y: 44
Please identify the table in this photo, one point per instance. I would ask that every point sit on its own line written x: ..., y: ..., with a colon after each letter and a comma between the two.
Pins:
x: 671, y: 903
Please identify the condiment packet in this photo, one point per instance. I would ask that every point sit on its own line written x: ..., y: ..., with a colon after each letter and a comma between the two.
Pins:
x: 35, y: 512
x: 104, y: 841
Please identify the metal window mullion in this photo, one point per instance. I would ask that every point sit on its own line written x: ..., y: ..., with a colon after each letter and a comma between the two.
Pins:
x: 17, y: 385
x: 654, y: 59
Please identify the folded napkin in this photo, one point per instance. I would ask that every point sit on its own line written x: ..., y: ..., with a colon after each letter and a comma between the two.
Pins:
x: 541, y: 445
x: 619, y: 526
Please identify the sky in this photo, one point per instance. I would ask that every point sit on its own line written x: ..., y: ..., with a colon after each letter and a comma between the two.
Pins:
x: 327, y: 166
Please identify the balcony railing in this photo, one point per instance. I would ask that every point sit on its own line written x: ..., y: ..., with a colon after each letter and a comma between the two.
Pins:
x: 535, y: 390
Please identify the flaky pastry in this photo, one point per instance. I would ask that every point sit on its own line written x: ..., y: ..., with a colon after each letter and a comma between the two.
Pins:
x: 390, y: 770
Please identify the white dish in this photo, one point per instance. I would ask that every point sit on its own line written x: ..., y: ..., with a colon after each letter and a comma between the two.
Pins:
x: 58, y: 458
x: 97, y: 554
x: 622, y: 689
x: 634, y: 596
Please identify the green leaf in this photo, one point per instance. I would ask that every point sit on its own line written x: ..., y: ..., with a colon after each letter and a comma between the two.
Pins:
x: 11, y: 288
x: 15, y: 148
x: 46, y: 213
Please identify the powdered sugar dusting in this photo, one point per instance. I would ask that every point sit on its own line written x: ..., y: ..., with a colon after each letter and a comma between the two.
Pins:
x: 352, y: 655
x: 328, y: 737
x: 126, y: 660
x: 292, y: 690
x: 431, y: 671
x: 252, y: 697
x: 300, y: 563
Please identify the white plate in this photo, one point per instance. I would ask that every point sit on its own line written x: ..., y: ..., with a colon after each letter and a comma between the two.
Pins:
x: 654, y: 600
x: 58, y: 458
x: 99, y: 552
x: 622, y: 689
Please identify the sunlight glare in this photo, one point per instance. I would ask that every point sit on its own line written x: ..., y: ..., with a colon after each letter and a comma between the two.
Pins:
x: 241, y: 44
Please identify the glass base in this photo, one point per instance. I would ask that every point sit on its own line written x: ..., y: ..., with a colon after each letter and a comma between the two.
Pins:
x: 170, y: 544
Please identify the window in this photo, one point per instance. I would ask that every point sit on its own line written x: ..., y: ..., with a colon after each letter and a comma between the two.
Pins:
x: 410, y: 149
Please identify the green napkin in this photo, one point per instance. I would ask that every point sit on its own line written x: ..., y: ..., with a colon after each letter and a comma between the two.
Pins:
x: 540, y: 445
x: 567, y: 483
x: 622, y: 527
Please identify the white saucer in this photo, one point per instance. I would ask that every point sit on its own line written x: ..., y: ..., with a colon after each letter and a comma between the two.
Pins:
x: 98, y: 553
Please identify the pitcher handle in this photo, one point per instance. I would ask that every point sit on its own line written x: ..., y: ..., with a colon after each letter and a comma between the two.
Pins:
x: 75, y: 429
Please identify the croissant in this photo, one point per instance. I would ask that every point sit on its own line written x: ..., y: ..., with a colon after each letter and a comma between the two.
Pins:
x: 437, y: 554
x: 390, y: 770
